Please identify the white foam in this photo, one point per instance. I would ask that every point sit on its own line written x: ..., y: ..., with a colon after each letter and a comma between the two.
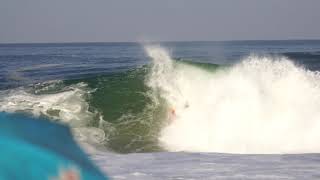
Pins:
x: 261, y: 105
x: 68, y: 107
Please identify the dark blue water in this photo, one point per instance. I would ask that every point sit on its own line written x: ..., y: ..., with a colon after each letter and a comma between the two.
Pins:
x: 23, y: 64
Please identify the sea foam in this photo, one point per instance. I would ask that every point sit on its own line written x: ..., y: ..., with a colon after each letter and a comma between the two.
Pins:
x: 260, y: 105
x: 68, y: 107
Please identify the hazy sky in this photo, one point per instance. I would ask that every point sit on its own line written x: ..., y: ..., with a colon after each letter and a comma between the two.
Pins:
x: 173, y: 20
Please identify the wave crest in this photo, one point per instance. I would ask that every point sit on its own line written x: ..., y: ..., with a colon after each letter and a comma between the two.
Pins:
x: 261, y: 105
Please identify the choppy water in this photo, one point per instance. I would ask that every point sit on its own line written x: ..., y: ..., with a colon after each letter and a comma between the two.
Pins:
x: 243, y: 97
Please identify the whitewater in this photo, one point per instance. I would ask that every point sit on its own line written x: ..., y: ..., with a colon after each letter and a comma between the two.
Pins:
x: 262, y: 105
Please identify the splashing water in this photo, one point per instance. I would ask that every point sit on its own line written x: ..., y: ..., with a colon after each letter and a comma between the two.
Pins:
x: 67, y: 106
x: 261, y: 105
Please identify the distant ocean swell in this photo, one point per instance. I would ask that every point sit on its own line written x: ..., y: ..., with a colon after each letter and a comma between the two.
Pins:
x: 264, y: 104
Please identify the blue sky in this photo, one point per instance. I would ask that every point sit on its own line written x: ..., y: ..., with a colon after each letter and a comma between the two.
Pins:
x: 161, y: 20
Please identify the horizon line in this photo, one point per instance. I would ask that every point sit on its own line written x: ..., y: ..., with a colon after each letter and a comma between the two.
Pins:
x: 161, y: 41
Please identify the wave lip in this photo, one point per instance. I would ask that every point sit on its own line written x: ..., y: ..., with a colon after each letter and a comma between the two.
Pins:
x: 263, y: 105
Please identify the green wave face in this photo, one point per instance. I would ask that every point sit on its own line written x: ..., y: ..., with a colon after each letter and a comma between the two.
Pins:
x: 204, y: 66
x: 132, y: 114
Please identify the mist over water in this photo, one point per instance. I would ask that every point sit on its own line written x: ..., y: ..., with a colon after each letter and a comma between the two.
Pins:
x: 260, y: 105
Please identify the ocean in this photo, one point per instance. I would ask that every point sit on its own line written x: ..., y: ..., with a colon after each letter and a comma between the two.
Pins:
x: 176, y: 110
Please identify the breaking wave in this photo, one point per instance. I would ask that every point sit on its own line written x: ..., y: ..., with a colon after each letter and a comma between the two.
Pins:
x: 261, y: 105
x: 264, y: 104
